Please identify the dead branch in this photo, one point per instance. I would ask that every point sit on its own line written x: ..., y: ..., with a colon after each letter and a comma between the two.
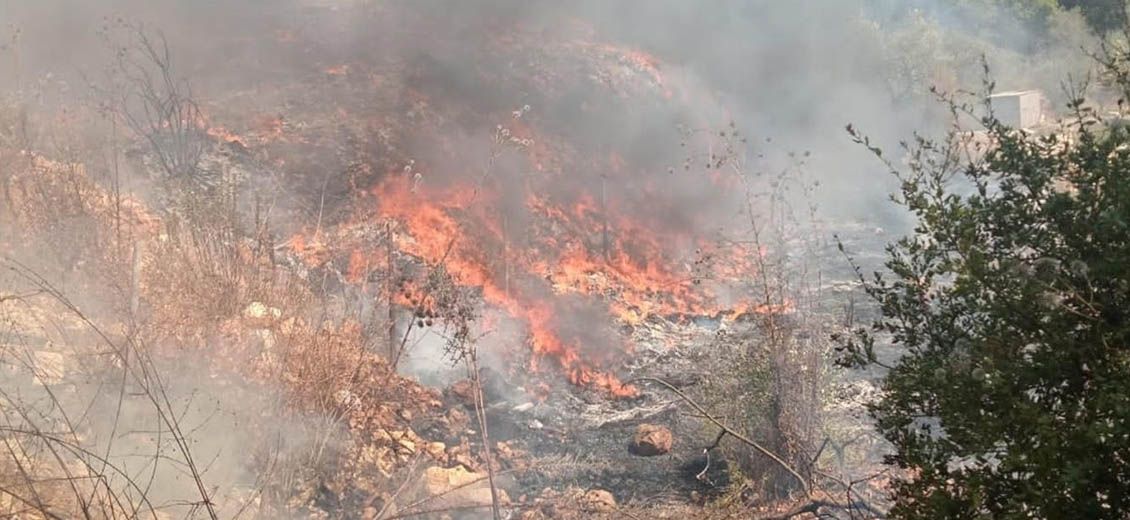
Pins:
x: 164, y: 113
x: 480, y: 411
x: 83, y: 454
x: 141, y: 371
x: 634, y: 415
x: 730, y: 431
x: 400, y: 489
x: 814, y: 507
x: 859, y: 503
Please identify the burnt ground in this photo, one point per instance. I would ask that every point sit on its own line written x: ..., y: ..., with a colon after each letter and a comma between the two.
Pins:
x: 582, y: 438
x: 579, y: 437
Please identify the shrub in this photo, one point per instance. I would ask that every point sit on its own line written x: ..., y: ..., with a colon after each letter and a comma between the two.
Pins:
x: 1009, y: 395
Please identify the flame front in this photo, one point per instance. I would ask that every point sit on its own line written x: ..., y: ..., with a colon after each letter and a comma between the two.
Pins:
x: 432, y: 232
x: 615, y: 263
x: 569, y: 239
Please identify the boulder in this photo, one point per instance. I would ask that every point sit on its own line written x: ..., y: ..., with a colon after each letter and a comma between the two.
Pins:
x: 452, y: 488
x: 651, y: 440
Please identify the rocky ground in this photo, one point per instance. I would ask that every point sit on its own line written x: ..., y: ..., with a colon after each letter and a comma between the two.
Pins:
x: 275, y: 357
x: 561, y: 452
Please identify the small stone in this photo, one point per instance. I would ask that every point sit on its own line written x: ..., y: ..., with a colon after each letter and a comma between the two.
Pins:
x: 457, y: 419
x: 464, y: 392
x: 464, y: 460
x: 651, y: 440
x: 437, y: 450
x: 257, y: 311
x: 599, y: 501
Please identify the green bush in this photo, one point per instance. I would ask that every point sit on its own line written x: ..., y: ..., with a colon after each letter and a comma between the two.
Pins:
x: 1101, y: 15
x: 1008, y: 395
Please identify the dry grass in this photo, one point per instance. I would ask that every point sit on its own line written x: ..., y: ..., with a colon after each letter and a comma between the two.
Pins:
x: 133, y: 303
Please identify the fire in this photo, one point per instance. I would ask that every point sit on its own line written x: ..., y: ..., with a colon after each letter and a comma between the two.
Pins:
x: 547, y: 247
x: 359, y: 265
x: 260, y: 129
x: 432, y: 233
x: 628, y: 272
x: 224, y: 135
x: 545, y: 342
x: 337, y: 70
x: 269, y: 128
x: 634, y: 60
x: 310, y: 249
x: 575, y: 246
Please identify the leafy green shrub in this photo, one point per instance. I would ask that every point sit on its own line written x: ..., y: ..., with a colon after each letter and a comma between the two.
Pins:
x: 1009, y: 394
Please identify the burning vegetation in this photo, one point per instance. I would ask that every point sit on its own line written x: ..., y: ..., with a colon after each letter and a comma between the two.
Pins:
x: 383, y: 260
x: 312, y: 235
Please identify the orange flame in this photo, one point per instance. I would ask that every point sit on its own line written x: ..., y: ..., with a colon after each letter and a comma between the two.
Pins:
x: 337, y: 70
x: 576, y: 246
x: 222, y: 134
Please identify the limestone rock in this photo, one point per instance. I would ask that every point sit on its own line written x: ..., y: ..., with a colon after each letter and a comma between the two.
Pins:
x: 437, y: 450
x: 599, y: 501
x: 651, y: 440
x: 463, y: 392
x: 49, y: 368
x: 259, y: 311
x: 456, y: 488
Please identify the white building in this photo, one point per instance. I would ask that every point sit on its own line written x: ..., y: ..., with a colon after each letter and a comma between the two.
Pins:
x: 1019, y: 109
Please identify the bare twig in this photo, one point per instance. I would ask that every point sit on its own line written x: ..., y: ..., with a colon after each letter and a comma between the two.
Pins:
x: 729, y: 431
x: 814, y: 507
x: 480, y: 412
x: 141, y: 371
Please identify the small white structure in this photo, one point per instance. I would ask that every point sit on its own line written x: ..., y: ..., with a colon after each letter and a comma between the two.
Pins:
x: 1019, y: 109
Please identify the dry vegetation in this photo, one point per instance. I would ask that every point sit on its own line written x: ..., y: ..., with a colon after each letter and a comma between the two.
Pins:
x: 112, y: 393
x: 170, y: 322
x: 163, y: 359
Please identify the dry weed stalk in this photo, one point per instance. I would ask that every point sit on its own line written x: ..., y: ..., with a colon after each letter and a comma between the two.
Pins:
x: 140, y: 372
x: 154, y: 103
x: 774, y: 380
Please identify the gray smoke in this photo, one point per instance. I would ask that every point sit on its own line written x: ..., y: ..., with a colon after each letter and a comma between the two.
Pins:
x: 789, y: 75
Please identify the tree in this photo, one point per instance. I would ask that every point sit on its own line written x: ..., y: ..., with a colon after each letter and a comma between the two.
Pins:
x: 1101, y: 15
x: 1008, y: 395
x: 1033, y: 13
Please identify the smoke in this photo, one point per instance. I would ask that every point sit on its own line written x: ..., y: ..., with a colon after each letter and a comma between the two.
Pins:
x: 624, y: 113
x: 114, y: 439
x: 789, y: 75
x: 796, y: 72
x: 623, y: 98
